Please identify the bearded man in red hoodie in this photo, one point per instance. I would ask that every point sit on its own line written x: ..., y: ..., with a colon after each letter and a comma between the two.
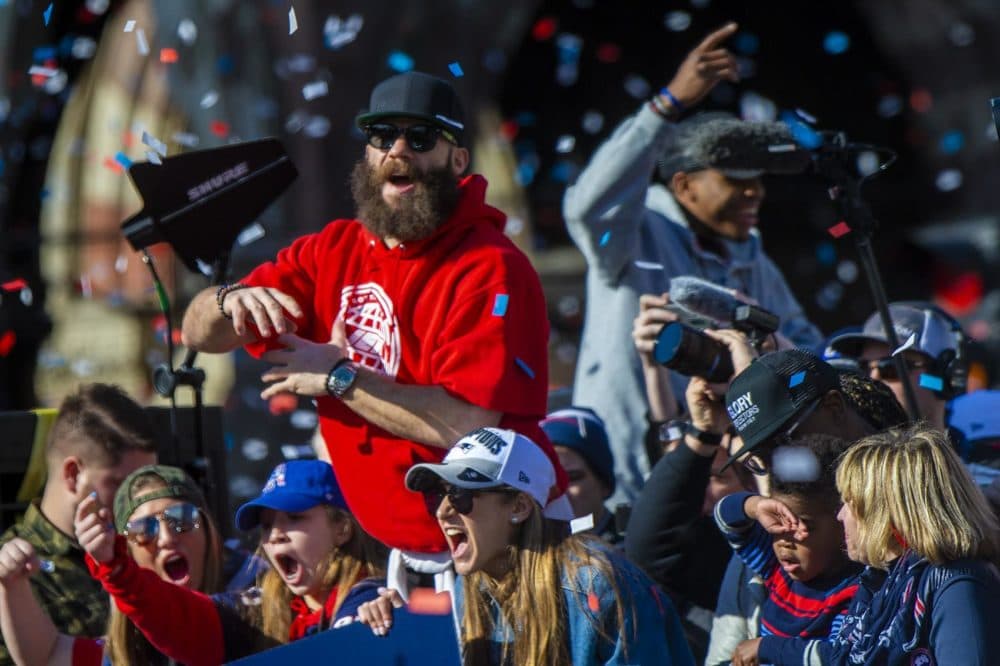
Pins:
x: 412, y: 325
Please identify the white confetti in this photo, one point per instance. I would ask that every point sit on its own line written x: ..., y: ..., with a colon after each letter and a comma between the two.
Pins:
x: 129, y: 25
x: 296, y: 451
x: 209, y: 99
x: 203, y: 268
x: 582, y: 524
x: 250, y: 234
x: 186, y: 139
x: 121, y: 263
x: 795, y: 464
x: 141, y: 43
x: 293, y: 23
x: 187, y: 31
x: 154, y: 143
x: 565, y: 143
x: 254, y: 449
x: 315, y: 89
x: 338, y: 33
x: 304, y: 419
x: 649, y: 265
x: 153, y: 157
x: 38, y: 70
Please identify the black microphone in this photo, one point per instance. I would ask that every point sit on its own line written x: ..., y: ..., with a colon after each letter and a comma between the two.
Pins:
x: 704, y: 299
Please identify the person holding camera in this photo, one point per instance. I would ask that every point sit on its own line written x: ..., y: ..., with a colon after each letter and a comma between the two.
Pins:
x: 660, y: 199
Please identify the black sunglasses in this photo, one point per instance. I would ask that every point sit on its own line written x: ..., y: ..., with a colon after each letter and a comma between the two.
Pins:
x: 887, y: 366
x: 461, y: 499
x: 420, y: 138
x: 179, y: 518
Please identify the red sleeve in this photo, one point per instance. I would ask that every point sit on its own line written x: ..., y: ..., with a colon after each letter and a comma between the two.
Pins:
x: 87, y: 652
x: 164, y: 612
x: 493, y: 352
x: 292, y: 272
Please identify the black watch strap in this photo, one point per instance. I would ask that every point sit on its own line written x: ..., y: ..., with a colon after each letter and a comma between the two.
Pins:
x: 709, y: 438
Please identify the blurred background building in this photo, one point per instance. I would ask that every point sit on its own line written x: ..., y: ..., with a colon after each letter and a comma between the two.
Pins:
x: 92, y: 85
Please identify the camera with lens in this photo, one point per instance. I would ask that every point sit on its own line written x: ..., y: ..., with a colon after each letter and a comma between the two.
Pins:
x: 685, y: 349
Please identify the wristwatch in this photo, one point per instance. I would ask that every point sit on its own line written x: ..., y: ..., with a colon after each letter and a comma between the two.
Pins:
x: 341, y: 378
x: 709, y: 438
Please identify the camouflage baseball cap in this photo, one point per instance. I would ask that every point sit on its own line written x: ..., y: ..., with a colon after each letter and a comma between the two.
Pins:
x: 176, y: 485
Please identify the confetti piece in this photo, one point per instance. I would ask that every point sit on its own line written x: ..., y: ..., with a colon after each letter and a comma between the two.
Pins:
x: 141, y: 43
x: 525, y: 367
x: 283, y: 403
x: 400, y: 62
x: 677, y: 21
x: 839, y: 229
x: 797, y: 379
x: 123, y: 159
x: 121, y: 263
x: 293, y: 23
x: 209, y: 99
x: 154, y: 143
x: 952, y: 142
x: 500, y: 305
x: 456, y: 70
x: 315, y: 89
x: 921, y: 100
x: 609, y: 53
x: 7, y: 342
x: 219, y: 128
x: 931, y: 382
x: 565, y: 143
x: 110, y: 163
x: 605, y: 237
x: 153, y: 157
x: 581, y: 524
x: 836, y: 42
x: 297, y: 451
x: 949, y: 180
x: 14, y: 285
x: 303, y: 419
x: 185, y: 139
x: 425, y: 601
x: 48, y: 14
x: 544, y: 28
x: 187, y: 31
x: 46, y: 72
x: 48, y: 566
x: 795, y: 464
x: 593, y: 603
x: 338, y: 33
x: 252, y: 233
x: 129, y: 25
x: 649, y: 265
x: 168, y: 55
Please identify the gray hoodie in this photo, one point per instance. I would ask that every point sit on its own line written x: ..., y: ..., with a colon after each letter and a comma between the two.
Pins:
x: 635, y: 237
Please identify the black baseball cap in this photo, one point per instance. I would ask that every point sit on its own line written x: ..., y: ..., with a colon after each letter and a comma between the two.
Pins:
x: 776, y: 388
x: 416, y: 95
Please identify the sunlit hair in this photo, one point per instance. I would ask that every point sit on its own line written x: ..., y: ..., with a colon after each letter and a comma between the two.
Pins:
x: 530, y: 596
x: 360, y: 557
x: 124, y: 643
x: 908, y: 485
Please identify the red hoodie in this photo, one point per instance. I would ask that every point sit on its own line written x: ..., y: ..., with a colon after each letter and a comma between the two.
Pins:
x: 462, y: 309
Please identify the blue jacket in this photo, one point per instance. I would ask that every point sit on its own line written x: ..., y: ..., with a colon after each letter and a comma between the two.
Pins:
x: 930, y: 615
x: 652, y: 631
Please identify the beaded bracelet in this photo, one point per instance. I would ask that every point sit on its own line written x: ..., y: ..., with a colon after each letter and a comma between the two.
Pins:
x: 674, y: 102
x: 220, y: 295
x: 661, y: 109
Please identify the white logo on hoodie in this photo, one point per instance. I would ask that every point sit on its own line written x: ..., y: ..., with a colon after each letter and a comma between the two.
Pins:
x: 372, y: 328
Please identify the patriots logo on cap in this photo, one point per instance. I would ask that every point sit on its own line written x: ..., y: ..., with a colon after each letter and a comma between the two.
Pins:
x: 523, y: 478
x: 490, y: 441
x: 276, y: 480
x: 469, y: 474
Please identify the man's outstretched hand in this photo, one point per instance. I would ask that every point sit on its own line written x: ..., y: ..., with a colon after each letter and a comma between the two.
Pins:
x: 703, y: 68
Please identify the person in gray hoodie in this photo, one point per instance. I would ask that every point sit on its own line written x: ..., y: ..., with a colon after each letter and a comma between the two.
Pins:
x: 660, y: 199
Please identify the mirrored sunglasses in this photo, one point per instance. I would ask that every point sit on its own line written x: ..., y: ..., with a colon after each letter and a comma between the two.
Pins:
x: 461, y: 499
x: 887, y: 366
x: 420, y: 138
x: 178, y: 518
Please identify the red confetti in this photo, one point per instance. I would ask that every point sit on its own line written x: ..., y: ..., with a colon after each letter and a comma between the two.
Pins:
x: 112, y: 163
x: 127, y: 139
x: 544, y: 28
x: 839, y: 229
x: 17, y: 284
x: 609, y: 53
x: 219, y: 128
x: 7, y: 342
x: 168, y: 55
x: 283, y: 403
x: 921, y: 100
x: 509, y: 129
x: 425, y: 601
x: 959, y: 292
x: 593, y: 603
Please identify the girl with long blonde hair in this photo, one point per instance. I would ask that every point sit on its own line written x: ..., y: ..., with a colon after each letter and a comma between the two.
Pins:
x: 529, y: 593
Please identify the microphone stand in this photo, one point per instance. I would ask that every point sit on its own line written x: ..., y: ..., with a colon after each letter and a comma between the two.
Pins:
x: 846, y: 193
x: 166, y: 379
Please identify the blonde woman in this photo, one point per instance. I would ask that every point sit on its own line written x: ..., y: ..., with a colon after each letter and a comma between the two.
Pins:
x: 931, y: 592
x: 528, y: 593
x: 165, y: 535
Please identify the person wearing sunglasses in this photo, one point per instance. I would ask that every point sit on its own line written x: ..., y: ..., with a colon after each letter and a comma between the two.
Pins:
x: 411, y: 325
x: 527, y: 591
x: 161, y: 537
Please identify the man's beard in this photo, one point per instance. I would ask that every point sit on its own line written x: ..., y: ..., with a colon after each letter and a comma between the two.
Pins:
x: 418, y: 214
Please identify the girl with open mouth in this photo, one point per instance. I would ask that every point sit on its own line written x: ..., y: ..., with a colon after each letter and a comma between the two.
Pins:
x: 527, y: 591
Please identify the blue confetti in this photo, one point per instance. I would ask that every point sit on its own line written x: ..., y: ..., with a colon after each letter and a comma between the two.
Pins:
x: 525, y: 173
x: 931, y: 382
x: 500, y: 305
x: 605, y: 237
x: 225, y: 64
x: 524, y: 366
x: 746, y: 43
x: 836, y: 42
x: 123, y: 159
x: 952, y: 142
x: 456, y: 70
x: 43, y: 53
x: 826, y: 253
x: 400, y: 62
x: 48, y: 14
x: 562, y: 172
x: 804, y: 135
x: 797, y: 379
